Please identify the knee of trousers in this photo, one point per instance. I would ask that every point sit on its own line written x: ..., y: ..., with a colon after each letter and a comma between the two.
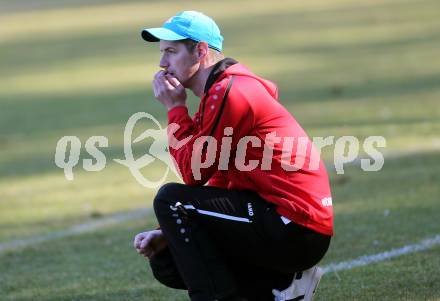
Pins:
x: 167, y: 196
x: 165, y: 271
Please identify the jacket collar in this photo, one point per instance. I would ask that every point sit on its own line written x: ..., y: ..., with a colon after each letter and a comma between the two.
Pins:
x: 217, y: 70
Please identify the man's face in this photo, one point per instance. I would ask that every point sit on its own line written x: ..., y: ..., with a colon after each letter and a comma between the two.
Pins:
x: 177, y: 61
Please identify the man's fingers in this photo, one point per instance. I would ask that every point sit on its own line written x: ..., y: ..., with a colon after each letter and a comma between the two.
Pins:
x: 137, y: 240
x: 147, y: 253
x: 168, y: 90
x: 162, y: 84
x: 173, y: 81
x: 168, y: 85
x: 137, y: 244
x: 158, y: 87
x: 145, y: 242
x: 159, y: 74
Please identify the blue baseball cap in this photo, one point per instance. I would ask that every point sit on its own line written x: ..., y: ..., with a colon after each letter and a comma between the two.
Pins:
x: 187, y: 25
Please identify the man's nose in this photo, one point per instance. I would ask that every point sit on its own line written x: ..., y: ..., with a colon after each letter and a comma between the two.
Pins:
x: 163, y: 63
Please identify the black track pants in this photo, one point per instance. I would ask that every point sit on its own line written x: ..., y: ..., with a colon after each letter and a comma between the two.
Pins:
x: 224, y: 244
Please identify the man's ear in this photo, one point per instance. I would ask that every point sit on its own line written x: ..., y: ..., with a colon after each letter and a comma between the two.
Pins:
x: 202, y: 50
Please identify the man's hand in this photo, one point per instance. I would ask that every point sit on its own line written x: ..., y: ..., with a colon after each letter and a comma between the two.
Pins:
x: 168, y: 90
x: 149, y: 243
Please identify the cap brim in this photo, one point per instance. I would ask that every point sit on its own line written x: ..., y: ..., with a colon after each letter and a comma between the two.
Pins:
x: 156, y: 34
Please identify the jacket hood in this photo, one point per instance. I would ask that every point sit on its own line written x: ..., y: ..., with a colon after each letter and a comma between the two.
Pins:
x: 217, y: 71
x: 241, y: 70
x: 228, y: 67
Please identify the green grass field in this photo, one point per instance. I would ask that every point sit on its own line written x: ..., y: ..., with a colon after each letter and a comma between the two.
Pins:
x: 358, y: 68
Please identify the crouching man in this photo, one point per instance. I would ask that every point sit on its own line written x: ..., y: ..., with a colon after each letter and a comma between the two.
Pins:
x: 264, y: 220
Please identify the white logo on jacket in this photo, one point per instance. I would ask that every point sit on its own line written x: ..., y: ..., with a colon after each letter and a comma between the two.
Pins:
x: 327, y: 202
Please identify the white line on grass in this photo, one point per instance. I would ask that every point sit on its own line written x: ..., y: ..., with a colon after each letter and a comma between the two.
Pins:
x: 141, y: 213
x: 76, y: 229
x: 368, y: 259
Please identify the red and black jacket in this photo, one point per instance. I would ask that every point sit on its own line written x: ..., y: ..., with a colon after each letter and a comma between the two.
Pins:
x: 235, y: 97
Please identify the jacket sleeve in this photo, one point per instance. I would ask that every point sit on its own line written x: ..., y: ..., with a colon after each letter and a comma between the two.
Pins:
x: 190, y: 138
